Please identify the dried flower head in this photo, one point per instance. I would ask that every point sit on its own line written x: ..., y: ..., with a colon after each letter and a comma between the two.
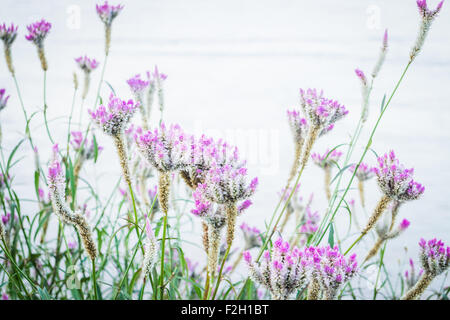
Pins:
x: 38, y: 31
x: 326, y: 159
x: 282, y: 271
x: 395, y: 180
x: 382, y: 55
x: 86, y: 64
x: 330, y: 268
x: 434, y: 256
x: 113, y: 118
x: 321, y: 112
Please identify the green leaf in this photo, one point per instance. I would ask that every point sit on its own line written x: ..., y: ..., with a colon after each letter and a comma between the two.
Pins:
x: 95, y: 148
x: 331, y: 236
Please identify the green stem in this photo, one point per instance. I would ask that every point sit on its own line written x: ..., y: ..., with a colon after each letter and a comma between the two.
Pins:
x: 366, y: 149
x: 161, y: 280
x: 94, y: 279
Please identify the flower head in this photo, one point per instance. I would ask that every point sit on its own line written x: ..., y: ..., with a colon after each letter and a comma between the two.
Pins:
x: 434, y: 256
x: 107, y: 12
x: 8, y: 34
x: 360, y: 74
x: 38, y: 31
x: 3, y: 99
x: 364, y: 171
x: 330, y: 268
x: 113, y: 118
x: 427, y: 17
x: 327, y: 159
x: 227, y: 185
x: 282, y: 270
x: 165, y: 148
x: 203, y: 153
x: 251, y: 236
x: 395, y: 180
x: 212, y: 214
x: 137, y: 85
x: 86, y: 64
x: 80, y: 145
x: 299, y: 125
x: 321, y: 112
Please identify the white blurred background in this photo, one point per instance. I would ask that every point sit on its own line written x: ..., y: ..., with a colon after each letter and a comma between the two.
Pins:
x: 233, y: 68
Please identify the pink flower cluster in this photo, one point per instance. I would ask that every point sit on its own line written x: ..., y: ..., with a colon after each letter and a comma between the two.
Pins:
x: 165, y: 148
x: 113, y: 118
x: 326, y: 159
x: 282, y: 271
x: 38, y: 31
x: 321, y: 112
x: 395, y: 180
x: 312, y: 219
x: 364, y: 171
x: 299, y: 125
x: 8, y: 34
x: 137, y: 85
x: 226, y: 185
x: 434, y: 256
x: 426, y: 12
x: 3, y: 99
x: 108, y: 12
x: 214, y: 215
x: 86, y: 64
x: 330, y: 268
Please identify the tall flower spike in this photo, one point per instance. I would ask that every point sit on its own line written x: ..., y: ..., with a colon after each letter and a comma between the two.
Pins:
x: 427, y: 17
x: 138, y: 86
x: 87, y: 65
x: 299, y: 128
x: 37, y: 32
x: 382, y: 55
x: 330, y: 269
x: 215, y: 219
x: 325, y: 161
x: 159, y: 79
x: 435, y: 259
x: 112, y: 120
x: 396, y: 183
x: 363, y: 173
x: 282, y: 271
x: 321, y: 113
x: 8, y: 35
x: 227, y: 185
x: 365, y: 93
x: 107, y: 13
x: 165, y: 149
x: 150, y: 251
x: 56, y: 180
x: 411, y: 277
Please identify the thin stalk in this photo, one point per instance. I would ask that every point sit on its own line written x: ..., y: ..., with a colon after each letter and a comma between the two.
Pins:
x: 163, y: 245
x: 94, y: 279
x: 366, y: 149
